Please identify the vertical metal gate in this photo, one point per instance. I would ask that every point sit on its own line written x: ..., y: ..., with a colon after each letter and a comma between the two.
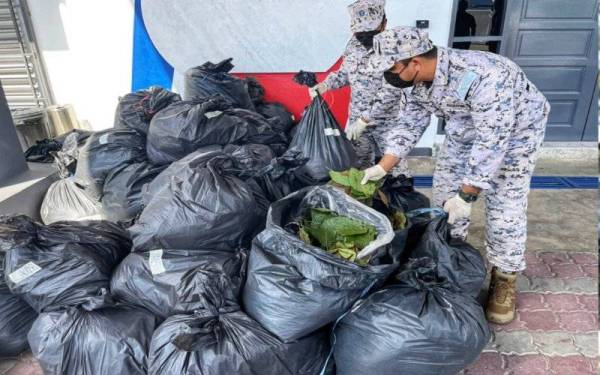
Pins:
x: 21, y: 70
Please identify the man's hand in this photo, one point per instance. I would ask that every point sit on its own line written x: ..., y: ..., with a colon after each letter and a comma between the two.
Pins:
x: 354, y: 130
x: 374, y: 173
x: 321, y: 88
x: 457, y: 209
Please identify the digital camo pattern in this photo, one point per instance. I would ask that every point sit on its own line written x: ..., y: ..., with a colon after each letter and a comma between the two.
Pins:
x: 372, y: 98
x: 366, y: 15
x: 495, y: 123
x: 397, y: 44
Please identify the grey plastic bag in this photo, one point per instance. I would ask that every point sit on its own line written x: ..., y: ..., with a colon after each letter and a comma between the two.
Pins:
x: 16, y: 318
x: 136, y: 109
x: 122, y: 191
x: 210, y: 79
x: 61, y: 264
x: 457, y: 262
x: 106, y: 341
x: 199, y: 202
x: 220, y: 339
x: 419, y: 325
x: 104, y: 152
x: 169, y: 282
x: 319, y: 137
x: 293, y: 288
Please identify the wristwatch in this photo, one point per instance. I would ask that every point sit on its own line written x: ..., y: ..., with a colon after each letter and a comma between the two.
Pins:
x: 467, y: 197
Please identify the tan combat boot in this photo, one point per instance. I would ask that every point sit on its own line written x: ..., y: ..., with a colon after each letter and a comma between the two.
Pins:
x: 502, y: 297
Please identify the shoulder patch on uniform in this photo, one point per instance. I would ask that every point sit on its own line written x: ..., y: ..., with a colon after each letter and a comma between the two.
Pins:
x: 465, y: 83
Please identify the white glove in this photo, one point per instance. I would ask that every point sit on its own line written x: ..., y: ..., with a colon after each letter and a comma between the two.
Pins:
x: 457, y: 209
x: 321, y: 88
x: 354, y: 130
x: 374, y: 173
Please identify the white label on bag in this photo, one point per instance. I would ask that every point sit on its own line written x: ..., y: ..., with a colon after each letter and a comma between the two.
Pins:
x: 103, y: 139
x: 24, y: 272
x: 156, y: 264
x: 212, y: 114
x: 333, y: 132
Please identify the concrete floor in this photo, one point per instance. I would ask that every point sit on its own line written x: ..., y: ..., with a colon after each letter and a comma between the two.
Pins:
x: 557, y: 219
x: 548, y: 164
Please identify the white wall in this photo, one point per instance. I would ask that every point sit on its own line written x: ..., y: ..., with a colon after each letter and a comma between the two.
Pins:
x: 86, y: 46
x: 439, y: 14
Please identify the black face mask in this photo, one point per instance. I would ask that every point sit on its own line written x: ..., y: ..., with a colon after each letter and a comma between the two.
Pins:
x: 366, y: 38
x: 395, y: 80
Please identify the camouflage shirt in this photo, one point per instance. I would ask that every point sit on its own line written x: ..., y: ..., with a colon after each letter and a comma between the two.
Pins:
x: 371, y: 97
x: 487, y: 102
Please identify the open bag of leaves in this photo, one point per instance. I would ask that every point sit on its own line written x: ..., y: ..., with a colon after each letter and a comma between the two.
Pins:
x: 293, y: 288
x: 393, y: 196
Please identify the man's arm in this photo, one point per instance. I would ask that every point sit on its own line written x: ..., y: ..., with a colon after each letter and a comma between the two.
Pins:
x: 401, y: 138
x: 338, y: 78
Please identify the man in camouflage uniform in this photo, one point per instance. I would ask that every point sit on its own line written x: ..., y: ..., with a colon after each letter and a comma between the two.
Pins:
x: 495, y: 124
x: 373, y: 104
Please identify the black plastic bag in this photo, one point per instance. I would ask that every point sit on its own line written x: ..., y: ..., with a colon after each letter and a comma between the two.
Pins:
x: 169, y: 282
x: 278, y: 179
x: 199, y: 202
x: 220, y: 339
x: 41, y: 151
x: 308, y: 79
x: 420, y: 325
x: 184, y: 127
x: 61, y: 264
x: 250, y: 157
x: 136, y: 109
x: 320, y: 139
x: 106, y: 151
x: 260, y: 130
x: 106, y: 341
x: 277, y: 111
x: 458, y: 263
x: 209, y: 79
x: 293, y: 288
x: 402, y: 195
x: 16, y: 318
x: 122, y: 191
x: 255, y: 90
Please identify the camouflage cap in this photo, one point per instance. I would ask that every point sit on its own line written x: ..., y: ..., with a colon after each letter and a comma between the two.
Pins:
x: 366, y: 15
x: 398, y: 44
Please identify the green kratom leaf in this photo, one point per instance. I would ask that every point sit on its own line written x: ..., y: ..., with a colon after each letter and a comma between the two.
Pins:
x: 338, y: 235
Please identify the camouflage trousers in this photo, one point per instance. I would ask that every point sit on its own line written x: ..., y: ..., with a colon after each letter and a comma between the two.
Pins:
x: 505, y: 201
x: 369, y: 148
